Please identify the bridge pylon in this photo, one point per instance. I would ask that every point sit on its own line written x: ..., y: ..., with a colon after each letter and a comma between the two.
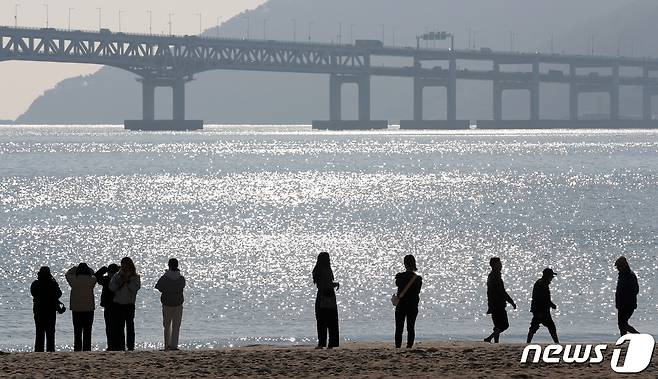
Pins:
x: 178, y: 121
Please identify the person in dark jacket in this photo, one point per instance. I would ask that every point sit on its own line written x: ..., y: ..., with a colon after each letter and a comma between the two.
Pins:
x: 125, y: 284
x: 171, y: 285
x: 497, y: 299
x: 407, y: 307
x: 625, y: 296
x: 104, y: 275
x: 541, y: 306
x: 45, y: 293
x: 326, y: 307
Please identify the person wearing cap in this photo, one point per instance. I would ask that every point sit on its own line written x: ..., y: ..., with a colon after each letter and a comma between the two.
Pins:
x: 626, y: 295
x: 497, y: 299
x: 171, y: 285
x: 541, y: 306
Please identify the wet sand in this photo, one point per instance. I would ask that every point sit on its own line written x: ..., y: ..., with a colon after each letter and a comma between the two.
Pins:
x: 367, y: 360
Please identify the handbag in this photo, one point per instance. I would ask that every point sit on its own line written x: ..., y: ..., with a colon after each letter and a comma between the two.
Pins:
x: 395, y: 299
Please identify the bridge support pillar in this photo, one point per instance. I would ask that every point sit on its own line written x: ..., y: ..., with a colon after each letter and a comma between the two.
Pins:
x: 534, y: 93
x: 573, y: 94
x: 497, y: 94
x: 419, y: 88
x: 335, y: 98
x: 148, y: 100
x: 646, y: 96
x: 614, y: 94
x: 364, y: 97
x: 452, y: 92
x: 178, y: 88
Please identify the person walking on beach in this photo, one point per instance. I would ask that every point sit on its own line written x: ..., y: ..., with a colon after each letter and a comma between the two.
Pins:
x: 103, y: 276
x: 125, y: 284
x: 326, y: 308
x: 45, y: 293
x: 497, y: 299
x: 171, y: 285
x: 541, y: 306
x: 409, y: 285
x: 626, y: 295
x: 82, y: 281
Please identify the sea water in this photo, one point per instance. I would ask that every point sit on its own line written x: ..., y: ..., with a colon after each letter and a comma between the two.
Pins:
x: 246, y: 210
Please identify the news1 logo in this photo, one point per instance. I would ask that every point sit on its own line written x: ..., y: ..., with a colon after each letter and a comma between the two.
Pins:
x: 637, y: 358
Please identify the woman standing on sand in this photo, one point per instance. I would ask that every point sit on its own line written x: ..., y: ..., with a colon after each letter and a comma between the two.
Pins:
x: 326, y: 308
x: 46, y: 293
x: 409, y: 285
x: 82, y: 281
x: 125, y: 285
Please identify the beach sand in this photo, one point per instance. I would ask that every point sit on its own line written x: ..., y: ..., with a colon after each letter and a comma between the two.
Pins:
x: 371, y: 360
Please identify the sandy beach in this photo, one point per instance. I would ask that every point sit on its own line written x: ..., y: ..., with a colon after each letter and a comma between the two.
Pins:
x: 368, y: 360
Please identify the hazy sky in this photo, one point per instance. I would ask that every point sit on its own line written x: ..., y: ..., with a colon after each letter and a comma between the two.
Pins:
x: 24, y: 81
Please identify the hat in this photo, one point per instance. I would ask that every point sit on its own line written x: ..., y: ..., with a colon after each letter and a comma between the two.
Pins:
x: 549, y: 272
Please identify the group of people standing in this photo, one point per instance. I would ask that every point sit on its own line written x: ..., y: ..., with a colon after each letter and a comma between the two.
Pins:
x: 541, y: 304
x: 120, y: 285
x: 407, y: 298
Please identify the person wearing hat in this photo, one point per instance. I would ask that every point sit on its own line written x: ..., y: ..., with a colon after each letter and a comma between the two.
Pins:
x: 541, y: 306
x: 497, y: 299
x: 626, y: 295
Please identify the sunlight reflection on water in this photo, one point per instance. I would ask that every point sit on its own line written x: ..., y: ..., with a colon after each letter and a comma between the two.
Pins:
x: 246, y: 210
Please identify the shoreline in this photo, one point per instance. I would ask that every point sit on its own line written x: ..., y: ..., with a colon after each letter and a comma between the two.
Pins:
x: 367, y: 360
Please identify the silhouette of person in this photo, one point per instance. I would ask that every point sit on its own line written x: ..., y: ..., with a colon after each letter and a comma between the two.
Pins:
x: 497, y: 299
x: 171, y: 285
x: 541, y: 306
x: 626, y: 295
x: 125, y: 284
x: 82, y: 281
x: 103, y: 276
x: 326, y: 308
x: 409, y: 285
x: 45, y: 293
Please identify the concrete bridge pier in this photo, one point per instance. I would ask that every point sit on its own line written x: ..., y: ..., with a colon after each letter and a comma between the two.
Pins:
x: 573, y: 94
x: 148, y: 121
x: 336, y: 121
x: 534, y: 93
x: 450, y: 84
x: 614, y: 93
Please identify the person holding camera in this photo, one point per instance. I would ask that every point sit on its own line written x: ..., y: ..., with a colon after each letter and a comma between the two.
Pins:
x: 125, y: 285
x: 45, y: 293
x: 103, y: 276
x: 82, y: 281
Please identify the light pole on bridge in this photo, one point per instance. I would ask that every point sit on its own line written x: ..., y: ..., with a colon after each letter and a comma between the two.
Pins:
x: 340, y: 33
x: 70, y: 9
x: 352, y: 33
x: 200, y: 16
x: 16, y: 6
x: 310, y: 25
x: 120, y: 13
x: 149, y: 13
x: 170, y: 25
x: 100, y: 18
x: 294, y: 29
x: 47, y: 15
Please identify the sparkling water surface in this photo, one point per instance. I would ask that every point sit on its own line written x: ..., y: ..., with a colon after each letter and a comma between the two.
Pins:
x: 246, y: 210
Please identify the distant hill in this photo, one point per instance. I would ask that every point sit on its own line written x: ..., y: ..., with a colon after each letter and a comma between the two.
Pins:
x: 112, y: 95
